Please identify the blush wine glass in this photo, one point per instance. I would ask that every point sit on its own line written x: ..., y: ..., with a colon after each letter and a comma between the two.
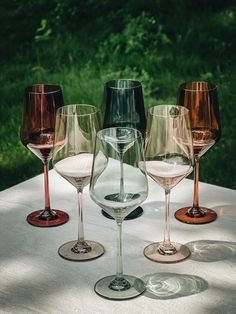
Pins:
x: 202, y: 101
x: 118, y: 184
x: 169, y: 159
x: 75, y: 133
x: 124, y: 107
x: 37, y: 134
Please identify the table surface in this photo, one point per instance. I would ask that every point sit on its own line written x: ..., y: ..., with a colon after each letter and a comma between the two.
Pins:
x: 34, y: 279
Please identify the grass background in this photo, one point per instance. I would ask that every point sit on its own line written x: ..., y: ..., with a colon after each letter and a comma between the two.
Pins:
x: 82, y: 44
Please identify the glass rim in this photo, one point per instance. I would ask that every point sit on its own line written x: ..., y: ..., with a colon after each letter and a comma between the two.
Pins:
x: 184, y: 111
x: 56, y: 90
x: 211, y: 86
x: 70, y: 106
x: 136, y: 82
x: 100, y: 133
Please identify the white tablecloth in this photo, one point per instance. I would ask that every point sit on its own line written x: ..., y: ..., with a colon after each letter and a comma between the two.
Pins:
x: 34, y: 279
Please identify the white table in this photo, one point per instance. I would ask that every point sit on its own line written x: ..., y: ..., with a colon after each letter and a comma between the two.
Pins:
x: 34, y: 279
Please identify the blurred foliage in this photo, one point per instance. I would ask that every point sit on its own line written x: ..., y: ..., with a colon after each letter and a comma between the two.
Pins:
x: 82, y: 44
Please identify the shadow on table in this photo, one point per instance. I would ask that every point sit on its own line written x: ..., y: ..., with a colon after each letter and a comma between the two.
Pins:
x: 212, y: 251
x: 164, y: 286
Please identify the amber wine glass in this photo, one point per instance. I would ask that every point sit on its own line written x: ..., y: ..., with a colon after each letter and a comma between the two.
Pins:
x: 169, y: 159
x: 37, y: 134
x: 75, y: 133
x: 124, y: 107
x: 202, y: 101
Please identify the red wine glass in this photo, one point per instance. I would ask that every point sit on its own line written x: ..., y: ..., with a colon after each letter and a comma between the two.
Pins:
x: 37, y: 134
x: 202, y: 101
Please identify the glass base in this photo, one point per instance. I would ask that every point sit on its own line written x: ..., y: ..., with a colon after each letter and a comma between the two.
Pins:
x: 137, y: 212
x: 130, y: 288
x: 58, y: 218
x: 72, y: 252
x: 182, y: 215
x: 155, y: 254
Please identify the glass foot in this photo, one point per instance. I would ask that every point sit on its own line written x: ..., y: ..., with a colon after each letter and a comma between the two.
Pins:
x: 183, y: 216
x: 155, y: 253
x: 137, y: 212
x: 74, y: 252
x: 37, y: 219
x: 129, y: 287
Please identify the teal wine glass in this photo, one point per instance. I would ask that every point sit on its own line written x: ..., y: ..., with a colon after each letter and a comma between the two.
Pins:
x: 124, y: 107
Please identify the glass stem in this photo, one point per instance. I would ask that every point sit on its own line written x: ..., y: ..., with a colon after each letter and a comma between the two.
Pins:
x: 81, y: 223
x: 47, y: 213
x: 195, y: 211
x: 119, y: 264
x: 121, y: 177
x: 81, y: 246
x: 46, y: 186
x: 166, y: 247
x: 196, y: 178
x: 167, y: 217
x: 119, y: 283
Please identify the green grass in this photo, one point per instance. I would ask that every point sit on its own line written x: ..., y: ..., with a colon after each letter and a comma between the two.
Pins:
x: 146, y: 48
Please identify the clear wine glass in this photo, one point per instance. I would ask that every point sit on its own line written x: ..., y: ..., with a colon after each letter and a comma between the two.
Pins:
x: 118, y: 184
x: 75, y: 133
x: 202, y: 101
x: 124, y: 107
x: 169, y: 158
x: 37, y: 134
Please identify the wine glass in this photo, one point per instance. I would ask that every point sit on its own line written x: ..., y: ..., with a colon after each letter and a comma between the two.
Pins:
x: 201, y: 100
x: 37, y: 134
x: 124, y: 107
x: 169, y: 158
x: 118, y: 184
x: 75, y: 133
